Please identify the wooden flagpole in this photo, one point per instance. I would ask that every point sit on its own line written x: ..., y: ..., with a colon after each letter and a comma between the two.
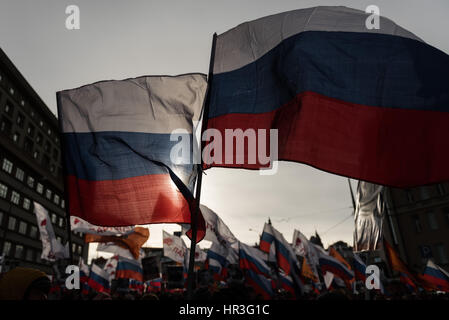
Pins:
x: 194, y: 224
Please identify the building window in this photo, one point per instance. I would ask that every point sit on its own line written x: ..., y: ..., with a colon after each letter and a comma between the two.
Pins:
x: 26, y: 203
x: 15, y: 197
x: 53, y: 218
x: 47, y: 146
x: 432, y: 221
x: 7, y: 165
x: 22, y: 103
x: 9, y: 109
x: 49, y: 132
x: 5, y: 127
x: 417, y: 224
x: 73, y: 247
x: 30, y: 182
x: 48, y: 194
x: 20, y: 120
x: 7, y: 248
x: 22, y: 227
x: 442, y: 254
x: 61, y: 222
x: 441, y: 189
x: 52, y: 168
x: 80, y: 250
x: 3, y: 190
x: 36, y: 154
x: 1, y: 217
x: 30, y: 130
x: 56, y: 199
x: 62, y: 203
x: 39, y: 188
x: 33, y: 232
x: 39, y: 138
x: 20, y: 174
x: 19, y: 252
x: 12, y: 223
x: 29, y: 254
x: 28, y: 145
x: 11, y: 91
x: 16, y: 137
x: 41, y: 123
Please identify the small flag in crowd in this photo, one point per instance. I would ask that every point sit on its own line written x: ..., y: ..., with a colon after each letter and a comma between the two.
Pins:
x: 99, y: 279
x: 256, y: 271
x: 274, y: 243
x: 174, y: 247
x: 330, y: 264
x: 129, y: 269
x: 435, y: 277
x: 111, y: 266
x: 396, y: 263
x: 52, y: 248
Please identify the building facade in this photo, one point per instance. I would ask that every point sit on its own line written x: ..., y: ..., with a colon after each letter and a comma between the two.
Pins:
x: 30, y: 170
x: 417, y: 224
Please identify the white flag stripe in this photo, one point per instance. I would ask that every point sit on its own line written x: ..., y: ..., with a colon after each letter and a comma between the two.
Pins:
x: 251, y: 40
x: 145, y: 104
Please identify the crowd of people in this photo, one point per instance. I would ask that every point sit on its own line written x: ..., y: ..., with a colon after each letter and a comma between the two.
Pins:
x: 31, y: 284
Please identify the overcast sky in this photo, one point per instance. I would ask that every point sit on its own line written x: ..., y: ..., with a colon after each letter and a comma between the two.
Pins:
x: 122, y: 39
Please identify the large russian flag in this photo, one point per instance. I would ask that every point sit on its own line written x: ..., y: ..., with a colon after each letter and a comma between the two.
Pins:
x: 368, y: 104
x: 216, y: 256
x: 436, y: 277
x: 120, y: 168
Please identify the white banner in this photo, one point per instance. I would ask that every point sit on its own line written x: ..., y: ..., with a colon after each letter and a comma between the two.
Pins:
x: 219, y: 233
x: 52, y: 249
x: 216, y: 230
x: 174, y: 247
x: 79, y: 225
x: 304, y: 248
